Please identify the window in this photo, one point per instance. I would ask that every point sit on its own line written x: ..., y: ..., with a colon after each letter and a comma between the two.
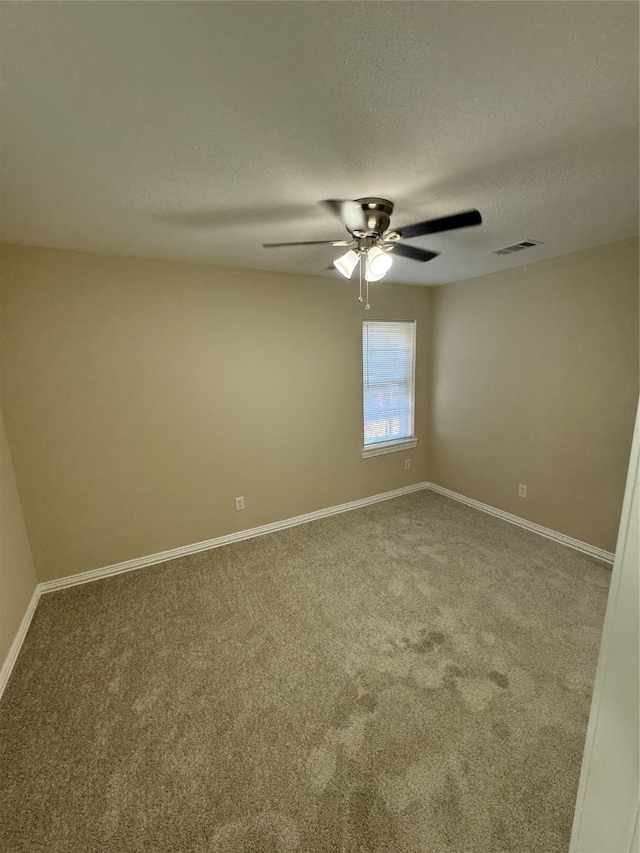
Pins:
x: 388, y: 374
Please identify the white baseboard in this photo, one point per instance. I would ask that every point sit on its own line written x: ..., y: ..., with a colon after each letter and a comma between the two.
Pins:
x: 7, y: 666
x: 576, y: 544
x: 209, y: 544
x: 252, y: 532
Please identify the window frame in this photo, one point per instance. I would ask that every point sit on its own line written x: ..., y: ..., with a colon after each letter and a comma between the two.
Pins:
x: 380, y: 448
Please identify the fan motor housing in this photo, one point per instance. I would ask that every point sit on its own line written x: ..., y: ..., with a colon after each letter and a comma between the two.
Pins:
x: 377, y: 212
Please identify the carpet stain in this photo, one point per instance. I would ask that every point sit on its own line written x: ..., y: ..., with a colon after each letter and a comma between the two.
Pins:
x: 367, y: 703
x: 361, y: 806
x: 500, y: 679
x: 500, y: 837
x: 447, y: 803
x: 345, y: 704
x: 303, y: 693
x: 501, y: 730
x: 426, y: 641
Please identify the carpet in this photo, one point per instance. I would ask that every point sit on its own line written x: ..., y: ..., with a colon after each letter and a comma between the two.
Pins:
x: 410, y: 677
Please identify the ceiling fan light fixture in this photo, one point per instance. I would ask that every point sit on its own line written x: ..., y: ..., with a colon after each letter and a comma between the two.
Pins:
x: 346, y: 263
x: 378, y: 264
x: 367, y: 223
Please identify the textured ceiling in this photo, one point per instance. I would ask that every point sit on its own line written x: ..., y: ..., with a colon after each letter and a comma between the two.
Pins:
x: 197, y: 131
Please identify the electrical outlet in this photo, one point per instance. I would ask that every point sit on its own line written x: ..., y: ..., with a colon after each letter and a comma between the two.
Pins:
x: 239, y: 503
x: 407, y: 464
x: 522, y: 491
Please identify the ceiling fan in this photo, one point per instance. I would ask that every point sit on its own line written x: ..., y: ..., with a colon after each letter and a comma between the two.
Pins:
x: 371, y: 241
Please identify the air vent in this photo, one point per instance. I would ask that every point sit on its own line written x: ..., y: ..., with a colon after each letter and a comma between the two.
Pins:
x: 518, y: 247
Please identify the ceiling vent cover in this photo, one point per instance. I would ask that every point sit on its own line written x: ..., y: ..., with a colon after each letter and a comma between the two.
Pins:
x: 518, y: 247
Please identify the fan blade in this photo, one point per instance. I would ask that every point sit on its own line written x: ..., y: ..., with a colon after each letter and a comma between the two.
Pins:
x: 307, y: 243
x: 414, y: 253
x: 350, y: 213
x: 446, y: 223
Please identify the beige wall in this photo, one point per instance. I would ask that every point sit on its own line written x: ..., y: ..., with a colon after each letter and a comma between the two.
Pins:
x: 142, y: 397
x: 535, y: 381
x: 17, y: 574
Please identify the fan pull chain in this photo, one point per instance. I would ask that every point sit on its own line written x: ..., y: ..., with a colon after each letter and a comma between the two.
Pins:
x: 367, y: 306
x: 360, y: 271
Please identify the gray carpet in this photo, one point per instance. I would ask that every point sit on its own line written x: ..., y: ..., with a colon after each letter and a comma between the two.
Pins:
x: 412, y: 677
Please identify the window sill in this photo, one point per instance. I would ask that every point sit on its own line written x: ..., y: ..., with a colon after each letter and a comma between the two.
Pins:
x: 388, y: 447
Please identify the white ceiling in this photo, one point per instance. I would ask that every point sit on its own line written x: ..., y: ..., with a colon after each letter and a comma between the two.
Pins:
x: 197, y: 131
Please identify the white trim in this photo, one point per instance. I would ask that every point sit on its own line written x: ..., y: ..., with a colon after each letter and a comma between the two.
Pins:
x: 388, y: 447
x: 606, y: 813
x: 16, y: 645
x: 175, y: 553
x: 252, y: 532
x: 209, y: 544
x: 576, y: 544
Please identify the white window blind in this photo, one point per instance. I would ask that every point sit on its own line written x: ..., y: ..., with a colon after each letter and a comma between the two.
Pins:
x: 388, y: 366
